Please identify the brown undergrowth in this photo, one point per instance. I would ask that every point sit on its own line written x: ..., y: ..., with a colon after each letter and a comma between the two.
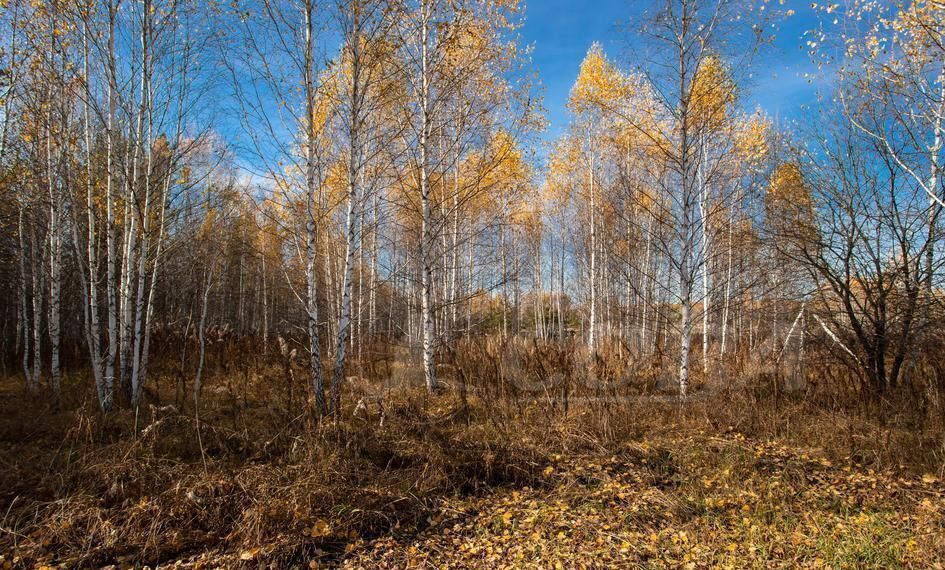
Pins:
x: 401, y: 478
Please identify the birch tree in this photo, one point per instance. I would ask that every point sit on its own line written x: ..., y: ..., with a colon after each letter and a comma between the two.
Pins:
x: 447, y: 51
x: 686, y: 36
x: 365, y: 94
x: 284, y: 129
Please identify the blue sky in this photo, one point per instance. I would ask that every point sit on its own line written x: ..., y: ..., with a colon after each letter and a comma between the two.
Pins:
x: 561, y: 31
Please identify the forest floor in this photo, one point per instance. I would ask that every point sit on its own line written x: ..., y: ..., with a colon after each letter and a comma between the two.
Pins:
x: 415, y: 482
x: 688, y: 502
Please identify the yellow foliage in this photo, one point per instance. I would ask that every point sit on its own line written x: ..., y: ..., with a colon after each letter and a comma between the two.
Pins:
x: 506, y: 165
x: 712, y: 93
x: 918, y: 29
x: 751, y: 139
x: 788, y: 185
x: 788, y: 203
x: 560, y: 179
x: 600, y: 85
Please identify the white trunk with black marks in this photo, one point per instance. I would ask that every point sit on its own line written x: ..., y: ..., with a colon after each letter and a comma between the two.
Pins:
x: 938, y: 138
x: 649, y: 279
x: 592, y: 320
x: 561, y: 315
x: 503, y: 253
x: 265, y: 307
x: 24, y: 305
x: 108, y: 385
x: 329, y: 280
x: 706, y: 272
x: 728, y: 286
x: 443, y: 325
x: 352, y: 239
x: 539, y: 302
x: 36, y: 259
x: 354, y: 211
x: 685, y: 326
x: 372, y: 283
x: 131, y: 244
x: 685, y: 210
x: 144, y: 145
x: 469, y: 285
x: 89, y: 280
x: 632, y: 301
x: 55, y: 261
x: 454, y: 263
x: 686, y: 235
x: 426, y: 234
x: 359, y: 322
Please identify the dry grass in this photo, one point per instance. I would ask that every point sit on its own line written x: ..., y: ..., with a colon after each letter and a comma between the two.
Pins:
x: 400, y: 474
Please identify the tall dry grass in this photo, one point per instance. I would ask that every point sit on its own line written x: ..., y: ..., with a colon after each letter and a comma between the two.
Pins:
x: 140, y: 486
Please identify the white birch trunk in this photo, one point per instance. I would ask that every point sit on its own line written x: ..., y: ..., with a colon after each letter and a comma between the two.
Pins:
x: 37, y: 274
x: 426, y: 235
x: 354, y: 207
x: 110, y: 285
x: 352, y: 239
x: 592, y: 321
x: 650, y: 279
x: 728, y: 285
x: 90, y: 282
x: 55, y: 261
x: 372, y: 283
x: 704, y: 218
x: 24, y: 307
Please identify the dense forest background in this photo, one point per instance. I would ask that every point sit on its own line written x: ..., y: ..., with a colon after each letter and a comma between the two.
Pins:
x: 252, y: 221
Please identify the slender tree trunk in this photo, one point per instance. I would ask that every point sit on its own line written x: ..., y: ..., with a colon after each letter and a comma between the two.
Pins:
x: 706, y: 258
x: 454, y: 263
x: 685, y: 327
x: 685, y: 211
x: 426, y: 234
x: 24, y: 310
x: 372, y: 283
x: 55, y: 260
x: 469, y: 286
x: 110, y: 239
x: 201, y: 333
x: 354, y: 210
x: 650, y: 279
x: 145, y: 144
x: 318, y: 386
x: 265, y: 305
x: 352, y: 244
x: 539, y: 301
x: 728, y: 285
x: 934, y: 207
x: 592, y: 321
x: 37, y: 274
x: 90, y: 282
x: 560, y: 300
x: 503, y: 252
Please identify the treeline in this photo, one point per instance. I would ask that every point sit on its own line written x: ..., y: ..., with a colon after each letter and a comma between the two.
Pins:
x: 766, y: 244
x: 335, y: 179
